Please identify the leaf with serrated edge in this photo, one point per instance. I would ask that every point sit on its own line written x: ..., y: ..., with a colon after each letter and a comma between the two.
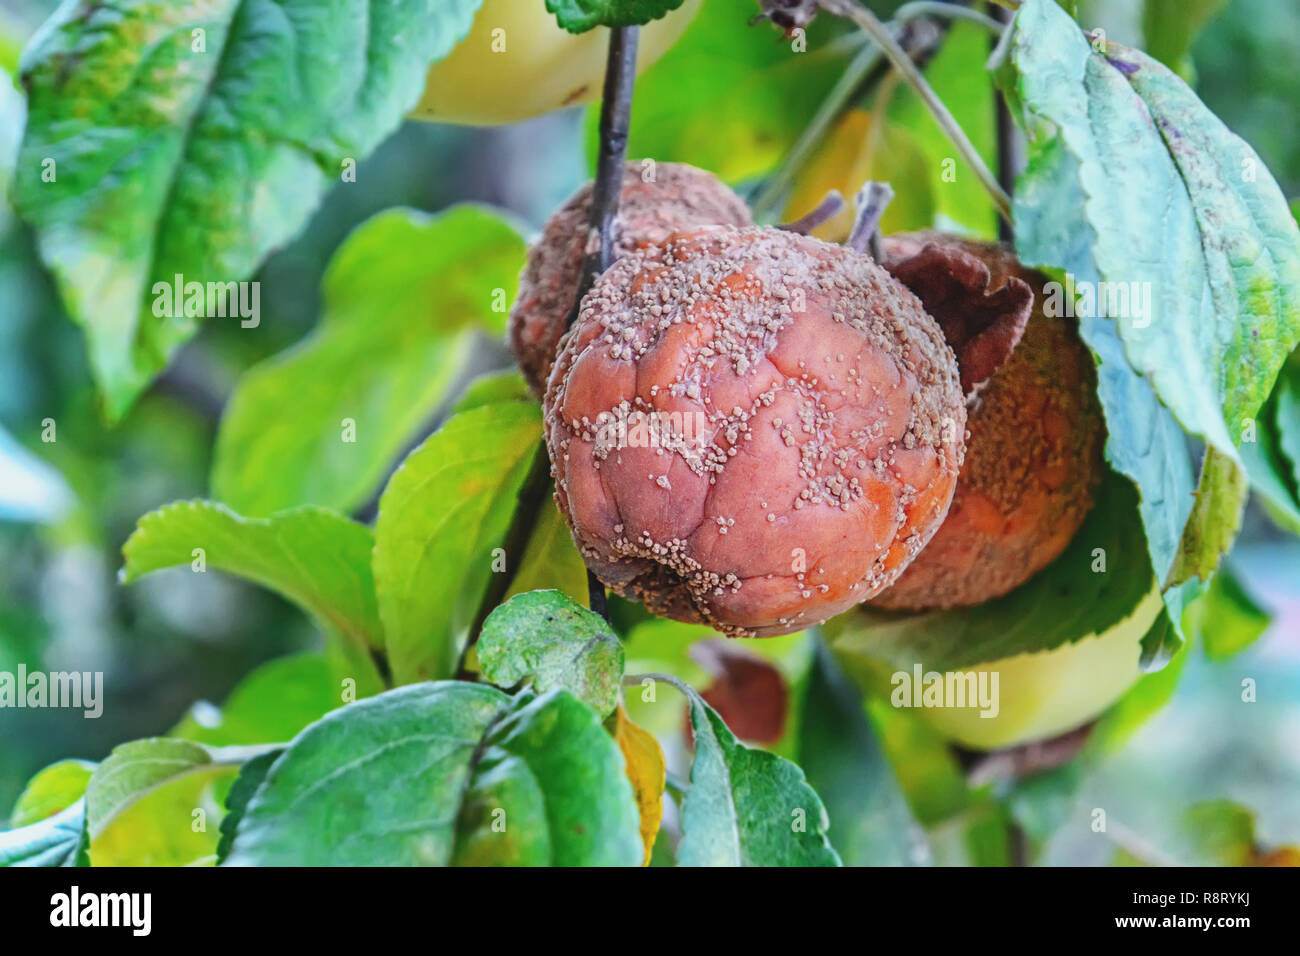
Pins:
x: 747, y: 807
x: 315, y: 558
x: 1218, y: 249
x: 1143, y: 442
x: 1220, y: 253
x: 443, y: 512
x: 578, y: 16
x: 546, y: 636
x: 403, y: 295
x: 150, y: 182
x: 250, y: 778
x: 423, y: 775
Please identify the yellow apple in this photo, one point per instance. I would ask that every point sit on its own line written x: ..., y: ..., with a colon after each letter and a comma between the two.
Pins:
x: 517, y: 63
x: 1046, y: 694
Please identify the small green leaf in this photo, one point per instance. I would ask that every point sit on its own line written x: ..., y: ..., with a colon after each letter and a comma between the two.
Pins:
x: 59, y: 840
x: 1287, y: 417
x: 551, y: 560
x: 444, y: 511
x: 194, y: 139
x: 321, y: 422
x: 870, y: 820
x: 579, y: 16
x: 132, y: 770
x: 556, y: 642
x: 55, y: 788
x: 1226, y: 618
x: 315, y: 558
x: 553, y: 747
x: 1170, y: 26
x: 746, y: 807
x: 508, y: 386
x: 425, y: 775
x: 1221, y: 495
x: 271, y: 705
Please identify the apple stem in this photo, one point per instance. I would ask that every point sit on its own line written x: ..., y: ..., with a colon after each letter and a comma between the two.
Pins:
x: 872, y: 200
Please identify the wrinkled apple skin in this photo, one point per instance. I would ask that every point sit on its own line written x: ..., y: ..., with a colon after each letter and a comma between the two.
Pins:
x: 542, y: 68
x: 657, y: 200
x: 1033, y: 453
x: 827, y: 429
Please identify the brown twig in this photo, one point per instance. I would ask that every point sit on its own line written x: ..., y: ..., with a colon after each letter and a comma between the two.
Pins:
x: 1011, y: 146
x: 615, y: 123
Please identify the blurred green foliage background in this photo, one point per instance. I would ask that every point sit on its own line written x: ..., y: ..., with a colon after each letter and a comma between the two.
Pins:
x: 175, y: 638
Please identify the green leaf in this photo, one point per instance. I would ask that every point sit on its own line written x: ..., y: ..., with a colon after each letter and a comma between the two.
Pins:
x: 270, y: 705
x: 1287, y: 417
x: 1221, y: 495
x: 551, y: 560
x: 1062, y: 604
x: 952, y: 74
x: 132, y: 770
x: 556, y: 642
x: 420, y: 775
x: 579, y: 16
x: 1170, y: 26
x: 746, y: 807
x: 315, y: 558
x: 870, y: 820
x: 1213, y: 238
x: 59, y: 840
x: 195, y: 140
x: 1267, y: 465
x: 444, y: 511
x: 1215, y: 833
x: 403, y: 296
x: 55, y: 788
x: 241, y: 792
x: 149, y: 802
x: 507, y: 386
x: 555, y: 749
x: 750, y: 93
x: 1226, y: 618
x: 1143, y: 441
x: 175, y: 823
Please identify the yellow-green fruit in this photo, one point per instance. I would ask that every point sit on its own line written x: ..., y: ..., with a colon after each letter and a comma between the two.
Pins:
x: 1046, y: 694
x: 517, y: 63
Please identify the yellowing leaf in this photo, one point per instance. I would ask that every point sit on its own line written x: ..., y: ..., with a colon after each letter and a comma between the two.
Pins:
x: 645, y: 770
x: 859, y: 149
